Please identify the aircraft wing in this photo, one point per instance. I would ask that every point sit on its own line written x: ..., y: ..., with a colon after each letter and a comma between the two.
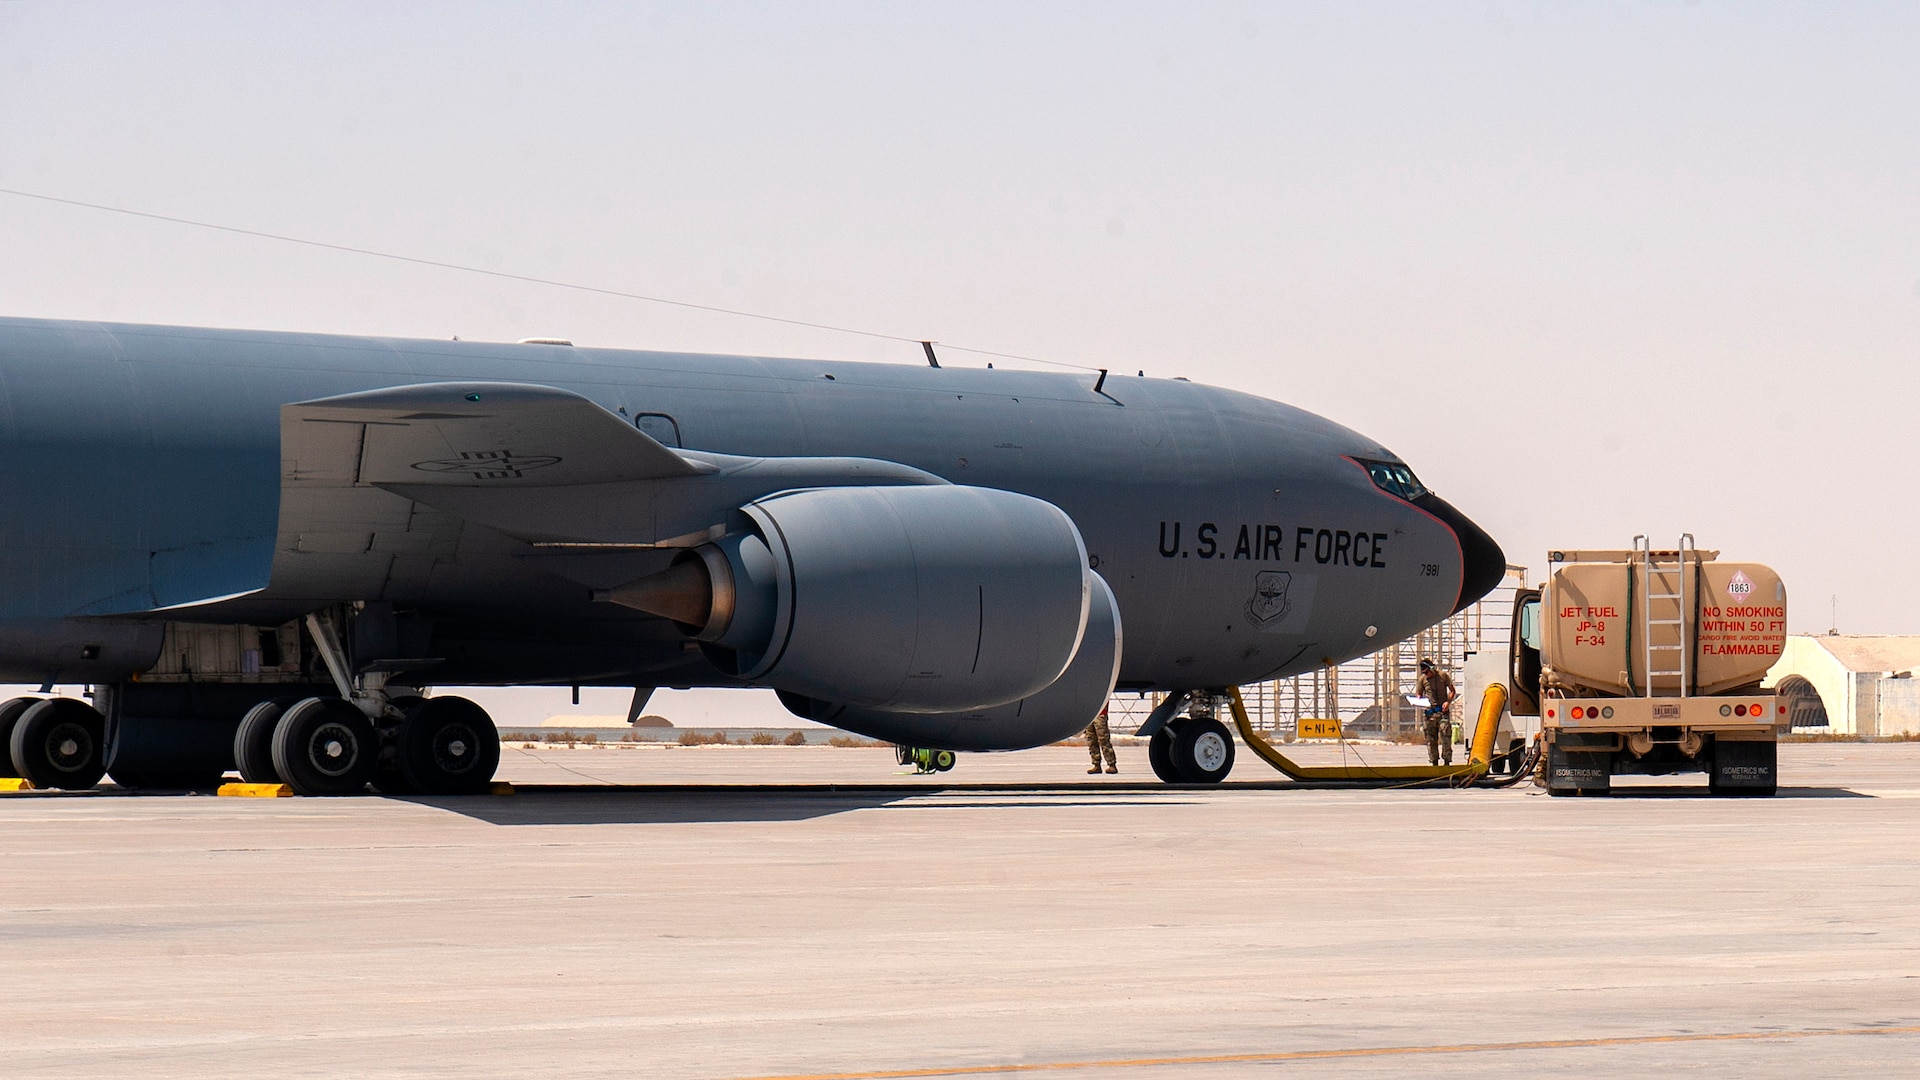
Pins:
x: 533, y: 462
x: 472, y: 435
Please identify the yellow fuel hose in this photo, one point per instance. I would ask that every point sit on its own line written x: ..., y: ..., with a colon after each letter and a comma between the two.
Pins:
x: 1491, y: 705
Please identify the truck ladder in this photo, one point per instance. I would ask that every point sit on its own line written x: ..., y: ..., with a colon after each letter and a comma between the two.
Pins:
x: 1664, y: 590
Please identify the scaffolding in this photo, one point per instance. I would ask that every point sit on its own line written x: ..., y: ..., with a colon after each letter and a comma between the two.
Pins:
x: 1368, y: 695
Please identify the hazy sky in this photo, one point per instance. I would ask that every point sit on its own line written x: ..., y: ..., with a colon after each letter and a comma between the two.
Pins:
x: 1593, y: 270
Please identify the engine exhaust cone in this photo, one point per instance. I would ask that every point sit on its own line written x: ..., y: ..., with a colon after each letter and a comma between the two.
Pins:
x: 682, y: 592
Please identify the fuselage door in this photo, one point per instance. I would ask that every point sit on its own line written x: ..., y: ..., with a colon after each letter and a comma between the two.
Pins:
x: 664, y: 429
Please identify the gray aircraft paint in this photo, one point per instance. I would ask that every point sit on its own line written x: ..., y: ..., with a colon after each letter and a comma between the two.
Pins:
x: 145, y: 472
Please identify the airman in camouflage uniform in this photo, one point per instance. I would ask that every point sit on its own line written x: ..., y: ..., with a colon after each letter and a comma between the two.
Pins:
x: 1099, y: 741
x: 1437, y: 687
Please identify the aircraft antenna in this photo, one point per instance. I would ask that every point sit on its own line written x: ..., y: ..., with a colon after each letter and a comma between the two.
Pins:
x: 932, y: 360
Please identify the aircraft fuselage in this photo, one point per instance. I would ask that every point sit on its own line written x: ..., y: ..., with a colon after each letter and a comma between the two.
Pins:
x: 1244, y: 539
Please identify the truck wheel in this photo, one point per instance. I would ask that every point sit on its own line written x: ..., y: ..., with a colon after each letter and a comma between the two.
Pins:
x: 1202, y: 751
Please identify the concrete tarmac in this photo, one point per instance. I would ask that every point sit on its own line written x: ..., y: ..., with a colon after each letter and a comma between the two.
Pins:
x: 1079, y: 927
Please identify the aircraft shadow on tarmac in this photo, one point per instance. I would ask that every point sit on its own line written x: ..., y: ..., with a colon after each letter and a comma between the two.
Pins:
x: 656, y: 807
x: 673, y: 806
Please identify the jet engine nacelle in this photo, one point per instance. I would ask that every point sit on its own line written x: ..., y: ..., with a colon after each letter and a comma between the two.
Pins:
x: 912, y: 599
x: 1062, y: 709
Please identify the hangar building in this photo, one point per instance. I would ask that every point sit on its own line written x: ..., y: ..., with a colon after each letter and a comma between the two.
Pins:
x: 1850, y: 684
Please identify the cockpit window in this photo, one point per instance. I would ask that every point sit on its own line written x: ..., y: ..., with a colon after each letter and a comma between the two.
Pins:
x: 1395, y: 479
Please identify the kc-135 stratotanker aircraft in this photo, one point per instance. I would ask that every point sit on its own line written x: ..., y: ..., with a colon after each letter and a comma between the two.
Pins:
x: 259, y: 548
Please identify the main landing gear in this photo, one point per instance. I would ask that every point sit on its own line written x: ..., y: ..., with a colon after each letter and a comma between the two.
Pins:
x: 328, y: 746
x: 315, y: 745
x: 398, y: 741
x: 170, y: 735
x: 1192, y: 749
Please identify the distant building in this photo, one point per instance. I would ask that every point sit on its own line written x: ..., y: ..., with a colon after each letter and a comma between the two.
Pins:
x: 1849, y: 684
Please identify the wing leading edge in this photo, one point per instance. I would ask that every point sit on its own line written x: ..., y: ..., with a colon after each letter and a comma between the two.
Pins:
x: 475, y: 435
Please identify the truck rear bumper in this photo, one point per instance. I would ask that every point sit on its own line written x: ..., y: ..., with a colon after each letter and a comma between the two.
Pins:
x: 1750, y: 712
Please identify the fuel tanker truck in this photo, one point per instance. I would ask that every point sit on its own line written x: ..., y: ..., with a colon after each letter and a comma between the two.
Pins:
x: 1649, y: 661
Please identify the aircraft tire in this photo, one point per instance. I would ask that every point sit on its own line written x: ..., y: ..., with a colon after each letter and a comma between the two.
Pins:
x: 447, y: 746
x: 325, y: 746
x: 60, y: 743
x: 1160, y: 752
x: 1202, y: 751
x: 253, y: 743
x: 10, y: 712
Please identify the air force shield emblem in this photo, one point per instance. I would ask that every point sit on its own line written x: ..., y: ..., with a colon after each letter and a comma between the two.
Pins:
x: 1269, y: 601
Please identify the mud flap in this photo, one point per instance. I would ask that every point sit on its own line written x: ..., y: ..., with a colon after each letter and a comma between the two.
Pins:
x: 1576, y: 768
x: 1745, y: 767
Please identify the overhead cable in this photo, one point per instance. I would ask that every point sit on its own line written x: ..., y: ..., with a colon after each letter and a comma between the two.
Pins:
x: 526, y: 278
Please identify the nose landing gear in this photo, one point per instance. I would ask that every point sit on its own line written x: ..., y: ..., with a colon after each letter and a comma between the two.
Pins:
x: 1192, y: 749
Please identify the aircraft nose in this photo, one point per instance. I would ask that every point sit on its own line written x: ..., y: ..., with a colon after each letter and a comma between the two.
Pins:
x: 1482, y: 563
